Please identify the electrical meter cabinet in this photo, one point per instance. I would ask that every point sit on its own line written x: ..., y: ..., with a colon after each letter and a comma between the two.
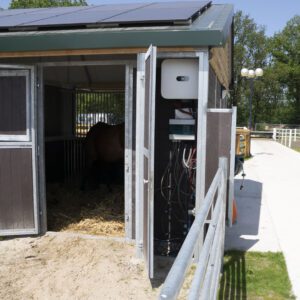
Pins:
x: 179, y: 79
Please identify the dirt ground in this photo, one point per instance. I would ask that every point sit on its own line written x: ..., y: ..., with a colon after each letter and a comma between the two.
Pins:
x: 71, y: 266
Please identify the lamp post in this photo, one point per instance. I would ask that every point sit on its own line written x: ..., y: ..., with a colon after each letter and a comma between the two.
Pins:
x: 251, y: 75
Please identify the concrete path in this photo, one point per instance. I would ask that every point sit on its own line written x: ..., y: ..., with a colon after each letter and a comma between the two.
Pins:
x: 269, y: 206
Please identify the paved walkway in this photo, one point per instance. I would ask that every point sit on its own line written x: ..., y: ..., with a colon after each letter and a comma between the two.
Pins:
x: 269, y: 206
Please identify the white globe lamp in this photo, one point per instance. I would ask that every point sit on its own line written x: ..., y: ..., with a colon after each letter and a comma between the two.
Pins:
x: 244, y: 72
x: 259, y: 72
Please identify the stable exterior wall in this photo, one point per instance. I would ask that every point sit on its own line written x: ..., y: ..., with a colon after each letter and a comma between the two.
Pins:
x: 205, y: 39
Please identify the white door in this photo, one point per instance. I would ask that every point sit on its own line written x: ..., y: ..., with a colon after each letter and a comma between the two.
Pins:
x: 147, y: 161
x: 18, y: 188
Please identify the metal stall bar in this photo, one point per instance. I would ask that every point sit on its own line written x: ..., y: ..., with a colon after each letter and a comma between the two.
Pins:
x: 128, y: 152
x: 211, y: 272
x: 183, y: 260
x: 140, y: 95
x: 41, y: 151
x: 214, y: 229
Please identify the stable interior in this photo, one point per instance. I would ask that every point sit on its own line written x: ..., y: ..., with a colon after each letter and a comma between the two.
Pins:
x: 82, y: 197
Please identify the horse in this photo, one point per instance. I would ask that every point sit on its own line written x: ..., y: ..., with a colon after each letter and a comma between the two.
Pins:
x: 104, y: 152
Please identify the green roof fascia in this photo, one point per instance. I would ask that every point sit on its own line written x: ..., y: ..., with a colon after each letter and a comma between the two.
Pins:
x: 194, y: 35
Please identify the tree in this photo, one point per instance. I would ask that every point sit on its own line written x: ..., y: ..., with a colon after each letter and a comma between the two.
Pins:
x: 45, y: 3
x: 250, y: 50
x: 286, y: 64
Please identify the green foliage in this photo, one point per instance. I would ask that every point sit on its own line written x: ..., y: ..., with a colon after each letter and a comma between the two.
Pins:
x: 276, y: 94
x: 286, y: 63
x: 254, y: 275
x: 250, y: 50
x: 45, y: 3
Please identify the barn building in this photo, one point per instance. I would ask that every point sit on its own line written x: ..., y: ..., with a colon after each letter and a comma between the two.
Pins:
x: 164, y: 70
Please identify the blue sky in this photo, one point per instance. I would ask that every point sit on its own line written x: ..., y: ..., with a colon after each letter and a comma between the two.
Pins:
x: 272, y: 13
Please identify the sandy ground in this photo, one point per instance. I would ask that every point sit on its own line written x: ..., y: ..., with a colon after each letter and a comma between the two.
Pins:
x: 66, y: 266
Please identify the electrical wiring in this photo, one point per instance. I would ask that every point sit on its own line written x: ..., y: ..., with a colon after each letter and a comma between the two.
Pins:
x: 190, y: 162
x: 177, y: 189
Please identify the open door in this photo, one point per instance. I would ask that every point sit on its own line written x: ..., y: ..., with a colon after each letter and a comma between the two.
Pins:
x: 18, y: 188
x: 148, y: 158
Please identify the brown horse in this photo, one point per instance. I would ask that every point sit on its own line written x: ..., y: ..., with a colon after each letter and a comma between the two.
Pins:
x: 104, y: 149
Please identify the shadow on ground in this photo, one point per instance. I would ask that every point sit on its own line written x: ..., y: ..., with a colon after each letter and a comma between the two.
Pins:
x: 248, y: 202
x: 233, y: 284
x: 162, y: 266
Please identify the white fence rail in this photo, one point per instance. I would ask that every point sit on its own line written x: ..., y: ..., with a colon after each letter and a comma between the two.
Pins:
x: 206, y: 278
x: 287, y: 137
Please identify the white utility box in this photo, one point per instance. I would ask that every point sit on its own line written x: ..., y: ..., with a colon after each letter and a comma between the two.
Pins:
x: 179, y: 78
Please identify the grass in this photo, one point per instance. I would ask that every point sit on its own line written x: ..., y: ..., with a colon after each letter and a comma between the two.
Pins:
x: 297, y: 149
x: 255, y: 275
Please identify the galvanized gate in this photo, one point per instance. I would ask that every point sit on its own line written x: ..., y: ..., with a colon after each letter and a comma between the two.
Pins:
x: 18, y: 155
x: 146, y: 90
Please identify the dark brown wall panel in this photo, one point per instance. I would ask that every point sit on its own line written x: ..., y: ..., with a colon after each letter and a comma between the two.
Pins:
x: 13, y: 105
x: 59, y: 111
x: 16, y: 189
x: 212, y: 148
x: 218, y: 143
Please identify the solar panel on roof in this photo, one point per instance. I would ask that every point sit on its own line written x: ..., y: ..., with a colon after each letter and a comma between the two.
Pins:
x: 129, y: 13
x: 20, y: 17
x: 88, y: 16
x: 159, y: 12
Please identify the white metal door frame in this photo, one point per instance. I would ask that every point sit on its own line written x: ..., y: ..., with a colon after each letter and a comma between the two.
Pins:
x: 129, y: 65
x: 28, y: 141
x: 203, y: 77
x: 128, y: 195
